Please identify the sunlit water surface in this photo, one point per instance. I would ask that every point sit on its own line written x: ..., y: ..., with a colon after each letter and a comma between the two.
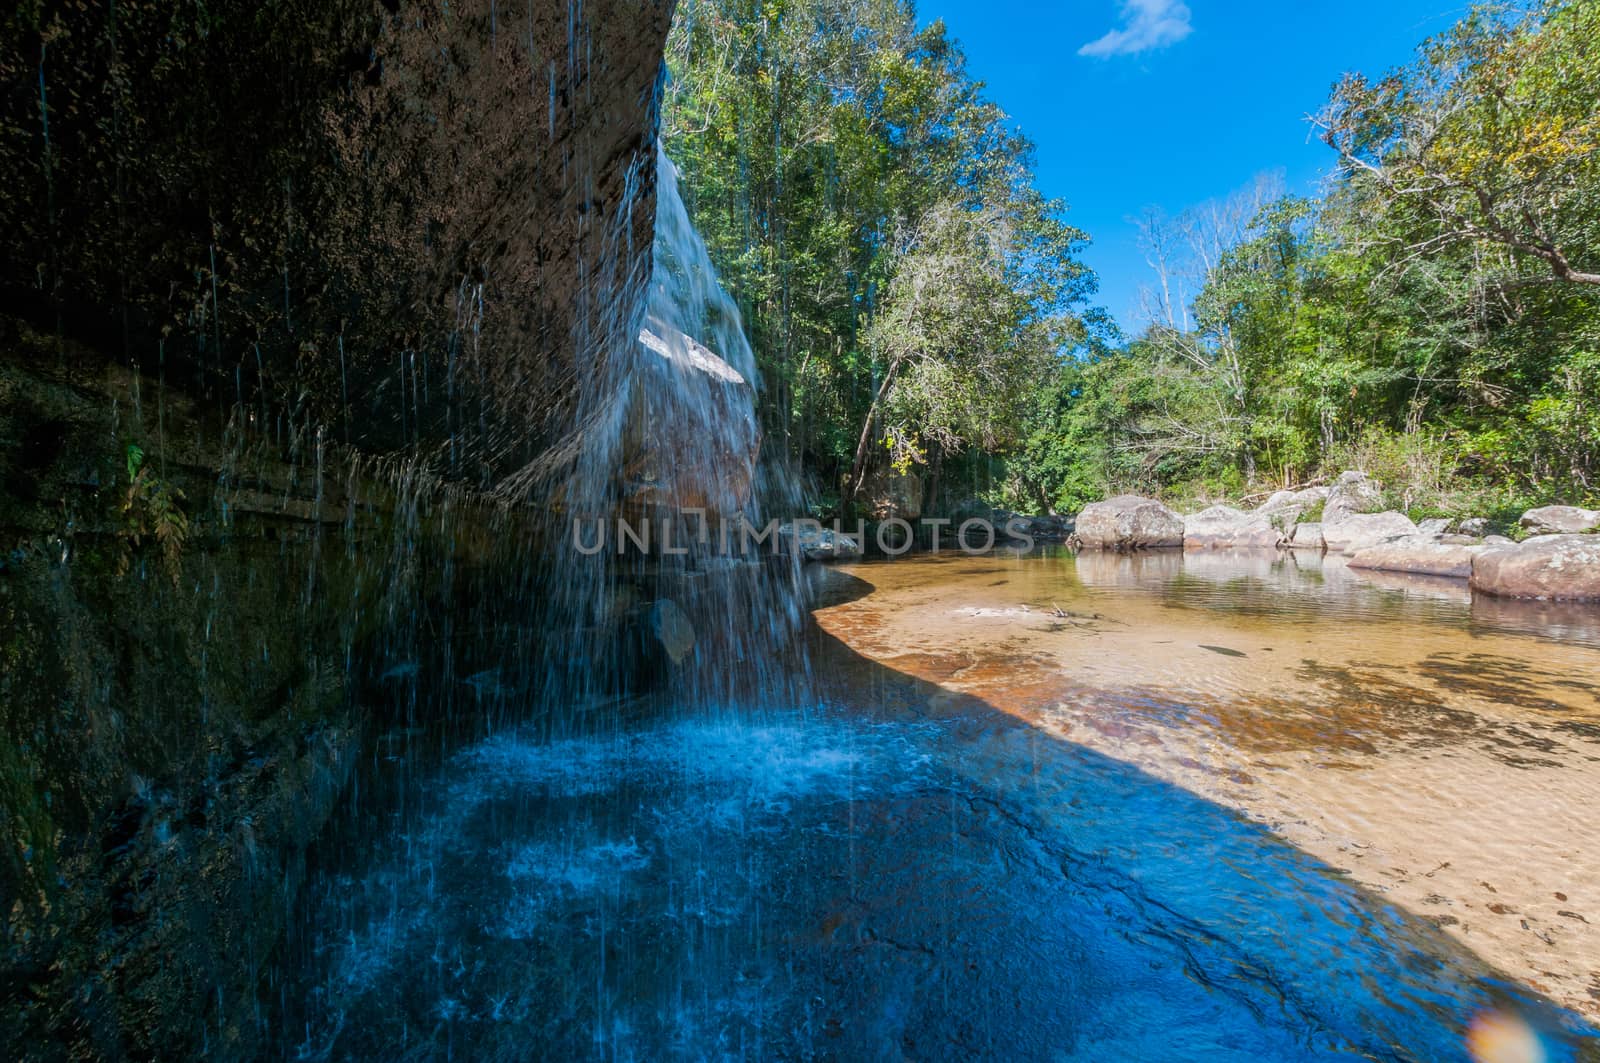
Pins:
x: 970, y: 846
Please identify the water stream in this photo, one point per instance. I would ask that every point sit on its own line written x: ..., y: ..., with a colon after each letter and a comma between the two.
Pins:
x: 1035, y: 807
x: 983, y: 852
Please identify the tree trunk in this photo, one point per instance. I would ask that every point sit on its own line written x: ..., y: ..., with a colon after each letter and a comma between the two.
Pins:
x: 858, y: 467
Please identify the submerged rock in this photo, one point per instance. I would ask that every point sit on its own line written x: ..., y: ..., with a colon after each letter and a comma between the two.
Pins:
x: 672, y: 629
x: 1560, y: 520
x: 1224, y: 526
x: 1365, y: 529
x: 1128, y: 522
x: 1561, y: 567
x: 1419, y: 554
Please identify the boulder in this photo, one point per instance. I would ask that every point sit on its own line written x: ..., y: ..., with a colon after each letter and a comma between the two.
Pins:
x: 672, y: 629
x: 1285, y: 500
x: 1435, y: 526
x: 1420, y: 555
x: 1365, y: 529
x: 886, y: 494
x: 1478, y: 526
x: 1560, y: 520
x: 1556, y: 567
x: 1352, y: 494
x: 815, y: 543
x: 690, y: 437
x: 1224, y: 526
x: 1128, y: 522
x: 1498, y: 540
x: 1307, y: 535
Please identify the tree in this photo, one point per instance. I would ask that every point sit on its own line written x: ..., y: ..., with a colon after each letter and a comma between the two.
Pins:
x: 839, y: 160
x: 1491, y: 136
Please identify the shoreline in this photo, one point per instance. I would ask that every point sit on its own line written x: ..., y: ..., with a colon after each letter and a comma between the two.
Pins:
x: 1447, y: 766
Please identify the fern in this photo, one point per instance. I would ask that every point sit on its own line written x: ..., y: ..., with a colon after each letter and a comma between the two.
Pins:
x: 152, y: 510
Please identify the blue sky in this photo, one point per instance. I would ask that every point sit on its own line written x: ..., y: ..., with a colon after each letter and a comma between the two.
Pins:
x: 1135, y: 103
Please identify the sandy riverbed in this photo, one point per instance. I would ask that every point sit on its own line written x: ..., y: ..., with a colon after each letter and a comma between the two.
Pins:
x: 1445, y: 753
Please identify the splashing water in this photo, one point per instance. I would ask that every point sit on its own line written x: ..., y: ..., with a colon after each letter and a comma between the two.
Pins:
x: 668, y: 441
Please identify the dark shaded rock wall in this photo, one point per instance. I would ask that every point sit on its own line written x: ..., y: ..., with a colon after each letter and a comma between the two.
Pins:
x: 336, y: 269
x: 411, y: 223
x: 177, y: 727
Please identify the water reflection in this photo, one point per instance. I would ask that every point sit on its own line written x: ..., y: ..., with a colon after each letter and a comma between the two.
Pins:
x: 1037, y: 815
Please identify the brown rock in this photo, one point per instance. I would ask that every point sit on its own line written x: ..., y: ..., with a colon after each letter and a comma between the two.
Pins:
x: 1128, y: 522
x: 1563, y: 567
x: 1419, y: 555
x: 691, y: 438
x: 1224, y: 526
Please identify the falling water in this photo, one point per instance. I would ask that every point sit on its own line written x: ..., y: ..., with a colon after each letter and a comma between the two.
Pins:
x: 652, y: 571
x: 684, y: 853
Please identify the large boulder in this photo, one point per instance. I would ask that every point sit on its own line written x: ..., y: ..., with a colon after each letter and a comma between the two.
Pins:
x: 816, y: 543
x: 1564, y: 567
x: 1352, y: 494
x: 1419, y: 554
x: 1365, y: 529
x: 1560, y: 520
x: 1307, y: 535
x: 1224, y: 526
x: 886, y: 494
x: 1128, y: 522
x: 690, y: 438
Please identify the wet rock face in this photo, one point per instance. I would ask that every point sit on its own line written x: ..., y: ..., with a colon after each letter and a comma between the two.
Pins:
x: 1560, y: 520
x: 691, y: 440
x: 1128, y: 522
x: 396, y: 225
x: 1556, y: 567
x: 413, y: 223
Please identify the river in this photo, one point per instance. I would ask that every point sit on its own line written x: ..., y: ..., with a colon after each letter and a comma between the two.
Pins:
x: 1163, y: 806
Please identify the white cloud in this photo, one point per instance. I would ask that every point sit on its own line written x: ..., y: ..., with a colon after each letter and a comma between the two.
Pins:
x: 1148, y: 24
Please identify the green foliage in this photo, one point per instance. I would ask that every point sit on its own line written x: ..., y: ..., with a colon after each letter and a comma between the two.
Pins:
x: 151, y: 510
x: 1432, y: 320
x: 915, y: 303
x: 905, y: 286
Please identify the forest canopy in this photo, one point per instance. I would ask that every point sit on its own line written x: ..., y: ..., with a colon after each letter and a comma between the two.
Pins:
x: 918, y: 307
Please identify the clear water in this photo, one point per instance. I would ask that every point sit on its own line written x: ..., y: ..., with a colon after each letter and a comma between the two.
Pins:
x: 903, y: 867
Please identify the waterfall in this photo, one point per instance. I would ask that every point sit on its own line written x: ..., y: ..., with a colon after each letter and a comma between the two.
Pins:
x: 661, y: 478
